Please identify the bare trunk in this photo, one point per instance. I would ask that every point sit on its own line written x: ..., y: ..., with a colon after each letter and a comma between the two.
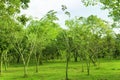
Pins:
x: 5, y: 66
x: 40, y: 58
x: 5, y: 61
x: 1, y: 62
x: 1, y: 66
x: 37, y: 57
x: 88, y: 67
x: 18, y: 59
x: 93, y: 61
x: 37, y: 67
x: 67, y: 59
x: 25, y: 71
x: 82, y: 65
x: 75, y: 57
x: 25, y: 66
x: 37, y: 64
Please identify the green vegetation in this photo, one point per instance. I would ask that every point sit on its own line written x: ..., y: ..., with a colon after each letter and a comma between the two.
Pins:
x: 55, y: 70
x: 88, y: 49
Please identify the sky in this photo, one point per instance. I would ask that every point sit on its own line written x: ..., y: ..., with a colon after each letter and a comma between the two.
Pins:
x: 38, y: 8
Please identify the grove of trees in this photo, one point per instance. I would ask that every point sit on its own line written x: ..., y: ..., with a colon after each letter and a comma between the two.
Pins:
x: 85, y: 40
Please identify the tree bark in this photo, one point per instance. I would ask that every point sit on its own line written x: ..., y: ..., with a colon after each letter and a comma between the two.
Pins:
x: 88, y: 67
x: 25, y: 71
x: 37, y: 57
x: 1, y: 67
x: 5, y: 66
x: 5, y: 61
x: 37, y: 64
x: 37, y: 67
x: 18, y: 59
x: 25, y: 66
x: 75, y: 57
x: 82, y: 65
x: 67, y: 59
x: 1, y: 62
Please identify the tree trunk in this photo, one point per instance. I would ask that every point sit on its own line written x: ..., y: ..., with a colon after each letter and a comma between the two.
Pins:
x: 67, y: 61
x: 67, y: 67
x: 5, y: 61
x: 76, y: 59
x: 40, y: 62
x: 18, y: 59
x: 40, y: 58
x: 88, y: 67
x: 75, y: 56
x: 1, y: 66
x: 93, y: 61
x: 37, y: 67
x: 25, y: 66
x: 25, y: 71
x: 37, y: 57
x: 5, y: 66
x: 82, y: 65
x: 1, y: 62
x: 37, y: 64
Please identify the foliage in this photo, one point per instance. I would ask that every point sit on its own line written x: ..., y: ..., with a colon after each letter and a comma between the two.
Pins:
x: 88, y: 39
x: 111, y: 5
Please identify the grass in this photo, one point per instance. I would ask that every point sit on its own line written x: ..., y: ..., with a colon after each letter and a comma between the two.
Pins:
x: 108, y: 70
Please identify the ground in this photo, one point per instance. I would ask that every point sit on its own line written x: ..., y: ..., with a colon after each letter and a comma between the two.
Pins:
x: 108, y: 70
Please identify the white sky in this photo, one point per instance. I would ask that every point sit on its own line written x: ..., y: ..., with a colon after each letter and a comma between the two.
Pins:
x: 38, y: 8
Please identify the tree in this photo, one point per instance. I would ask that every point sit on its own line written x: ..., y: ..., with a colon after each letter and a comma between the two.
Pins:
x: 111, y: 5
x: 7, y: 26
x: 116, y: 54
x: 45, y: 30
x: 64, y: 40
x: 8, y: 11
x: 24, y: 44
x: 67, y: 39
x: 86, y: 34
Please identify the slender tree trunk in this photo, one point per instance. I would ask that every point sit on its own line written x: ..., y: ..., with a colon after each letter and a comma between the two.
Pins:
x: 82, y: 65
x: 75, y: 57
x: 67, y: 62
x: 37, y: 57
x: 88, y: 67
x: 40, y: 62
x: 25, y: 71
x: 1, y: 66
x: 93, y: 56
x: 37, y: 67
x: 25, y: 66
x: 5, y: 61
x: 1, y: 62
x: 76, y: 60
x: 40, y: 57
x: 18, y: 59
x: 67, y: 53
x: 5, y: 66
x: 37, y: 64
x: 93, y: 61
x: 26, y: 63
x: 67, y: 59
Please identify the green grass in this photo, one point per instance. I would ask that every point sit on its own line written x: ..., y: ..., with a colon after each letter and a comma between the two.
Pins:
x: 108, y: 70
